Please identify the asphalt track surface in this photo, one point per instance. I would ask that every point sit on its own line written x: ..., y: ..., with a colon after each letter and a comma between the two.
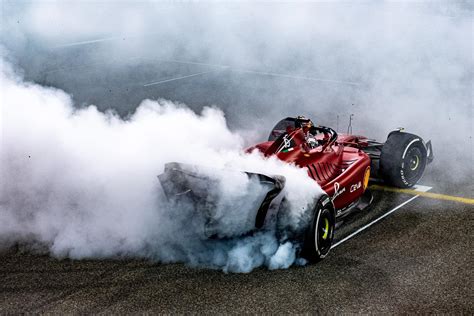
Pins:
x: 417, y: 259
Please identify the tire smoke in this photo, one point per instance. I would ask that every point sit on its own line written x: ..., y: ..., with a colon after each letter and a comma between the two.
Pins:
x: 79, y: 183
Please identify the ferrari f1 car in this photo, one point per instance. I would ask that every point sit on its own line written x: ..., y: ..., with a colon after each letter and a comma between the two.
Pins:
x: 342, y: 165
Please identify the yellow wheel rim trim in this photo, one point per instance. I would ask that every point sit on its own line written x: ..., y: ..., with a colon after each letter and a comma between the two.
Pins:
x: 326, y: 229
x: 417, y: 163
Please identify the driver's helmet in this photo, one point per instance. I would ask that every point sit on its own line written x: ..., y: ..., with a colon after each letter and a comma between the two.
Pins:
x: 304, y: 123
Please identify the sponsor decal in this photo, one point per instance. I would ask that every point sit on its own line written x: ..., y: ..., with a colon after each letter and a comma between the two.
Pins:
x: 337, y: 190
x: 286, y: 142
x: 286, y: 146
x: 344, y: 210
x: 355, y: 187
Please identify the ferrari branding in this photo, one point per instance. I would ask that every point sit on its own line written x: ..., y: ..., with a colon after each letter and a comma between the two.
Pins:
x: 286, y: 146
x: 337, y: 192
x: 286, y: 142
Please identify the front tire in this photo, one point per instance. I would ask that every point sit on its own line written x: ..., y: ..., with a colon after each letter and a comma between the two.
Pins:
x: 403, y: 159
x: 320, y: 233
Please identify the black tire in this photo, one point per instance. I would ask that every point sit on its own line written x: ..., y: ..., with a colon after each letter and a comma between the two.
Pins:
x: 320, y: 233
x: 403, y: 159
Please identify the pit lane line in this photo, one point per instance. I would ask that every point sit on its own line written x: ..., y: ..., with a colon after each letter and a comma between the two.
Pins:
x: 418, y: 188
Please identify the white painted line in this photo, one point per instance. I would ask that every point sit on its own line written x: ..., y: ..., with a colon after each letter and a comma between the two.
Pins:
x: 185, y: 62
x: 87, y: 42
x: 273, y: 74
x: 178, y: 78
x: 420, y: 188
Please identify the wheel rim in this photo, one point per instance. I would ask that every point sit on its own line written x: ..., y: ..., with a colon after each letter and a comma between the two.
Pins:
x: 323, y: 233
x: 412, y: 164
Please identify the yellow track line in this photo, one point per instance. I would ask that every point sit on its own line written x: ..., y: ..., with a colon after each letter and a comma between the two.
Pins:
x: 430, y: 195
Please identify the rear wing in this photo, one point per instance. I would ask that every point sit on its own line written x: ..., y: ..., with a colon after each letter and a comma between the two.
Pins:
x: 429, y: 152
x: 223, y: 215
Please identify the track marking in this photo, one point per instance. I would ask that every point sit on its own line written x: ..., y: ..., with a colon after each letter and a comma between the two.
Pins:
x: 430, y: 195
x: 274, y: 74
x: 263, y: 73
x: 88, y: 42
x: 421, y: 188
x: 184, y: 62
x: 178, y: 78
x: 373, y: 222
x: 418, y: 189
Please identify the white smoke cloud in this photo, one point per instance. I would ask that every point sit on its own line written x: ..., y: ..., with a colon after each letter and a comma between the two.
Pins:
x: 412, y: 62
x: 83, y: 184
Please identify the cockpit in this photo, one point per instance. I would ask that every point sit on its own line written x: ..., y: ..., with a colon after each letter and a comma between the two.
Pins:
x: 290, y: 132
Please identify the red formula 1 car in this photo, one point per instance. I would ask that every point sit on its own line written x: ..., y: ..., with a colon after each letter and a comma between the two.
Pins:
x: 341, y: 164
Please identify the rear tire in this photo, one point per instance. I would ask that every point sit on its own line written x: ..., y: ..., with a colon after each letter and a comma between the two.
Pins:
x: 320, y: 233
x: 403, y: 159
